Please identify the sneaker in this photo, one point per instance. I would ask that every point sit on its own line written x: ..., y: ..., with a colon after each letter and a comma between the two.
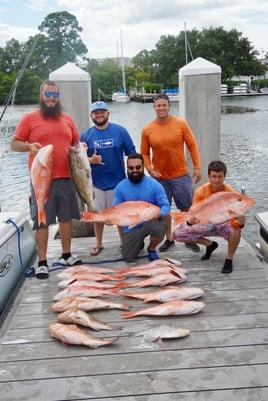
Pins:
x: 152, y: 255
x: 193, y: 247
x: 166, y: 245
x: 41, y: 272
x: 71, y: 261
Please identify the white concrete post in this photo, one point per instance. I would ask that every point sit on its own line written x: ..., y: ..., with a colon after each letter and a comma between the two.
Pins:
x: 200, y: 105
x: 75, y: 97
x: 75, y: 93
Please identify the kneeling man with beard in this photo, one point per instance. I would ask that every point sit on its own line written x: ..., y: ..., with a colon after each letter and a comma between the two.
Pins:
x: 140, y: 187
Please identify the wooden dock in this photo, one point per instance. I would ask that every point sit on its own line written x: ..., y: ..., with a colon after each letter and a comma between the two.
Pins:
x: 224, y: 358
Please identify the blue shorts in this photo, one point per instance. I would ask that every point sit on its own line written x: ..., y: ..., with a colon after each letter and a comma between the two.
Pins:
x: 181, y: 190
x: 61, y: 205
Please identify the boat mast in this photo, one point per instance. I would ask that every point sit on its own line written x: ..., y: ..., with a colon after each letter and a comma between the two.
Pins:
x: 185, y: 44
x: 123, y: 66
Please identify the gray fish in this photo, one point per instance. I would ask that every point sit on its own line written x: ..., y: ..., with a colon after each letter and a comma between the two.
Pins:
x: 158, y: 333
x: 81, y: 174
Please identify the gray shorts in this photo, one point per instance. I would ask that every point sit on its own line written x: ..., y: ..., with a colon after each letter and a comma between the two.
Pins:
x: 103, y: 199
x: 132, y: 240
x: 61, y: 204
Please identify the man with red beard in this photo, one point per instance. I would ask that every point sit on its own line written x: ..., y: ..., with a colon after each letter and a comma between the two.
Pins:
x: 49, y: 125
x: 138, y: 186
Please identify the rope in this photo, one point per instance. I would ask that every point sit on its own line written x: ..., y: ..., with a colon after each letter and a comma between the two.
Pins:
x: 59, y: 265
x: 30, y: 270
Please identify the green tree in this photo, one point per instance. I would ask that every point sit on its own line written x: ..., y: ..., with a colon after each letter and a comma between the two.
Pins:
x: 58, y: 43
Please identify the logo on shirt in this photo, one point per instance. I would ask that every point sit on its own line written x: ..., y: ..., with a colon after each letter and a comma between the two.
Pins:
x: 103, y: 143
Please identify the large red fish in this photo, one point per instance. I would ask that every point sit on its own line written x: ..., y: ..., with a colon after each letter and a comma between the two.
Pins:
x: 41, y: 177
x: 169, y: 308
x: 217, y: 208
x: 128, y: 213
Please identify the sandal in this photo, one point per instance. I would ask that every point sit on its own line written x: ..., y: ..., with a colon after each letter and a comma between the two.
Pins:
x: 96, y: 250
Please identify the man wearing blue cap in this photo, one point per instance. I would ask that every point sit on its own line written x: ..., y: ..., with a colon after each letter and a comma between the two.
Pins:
x: 107, y: 144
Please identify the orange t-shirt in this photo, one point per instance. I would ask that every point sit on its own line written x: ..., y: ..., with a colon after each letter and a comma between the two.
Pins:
x: 167, y: 142
x: 61, y: 133
x: 205, y: 191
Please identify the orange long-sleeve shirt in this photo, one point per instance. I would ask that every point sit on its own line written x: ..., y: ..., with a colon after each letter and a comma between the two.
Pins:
x: 167, y: 143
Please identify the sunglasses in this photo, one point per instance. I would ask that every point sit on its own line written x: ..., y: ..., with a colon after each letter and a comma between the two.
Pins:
x: 134, y: 167
x: 48, y: 94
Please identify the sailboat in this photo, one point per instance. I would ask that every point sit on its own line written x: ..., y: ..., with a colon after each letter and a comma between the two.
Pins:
x: 121, y: 96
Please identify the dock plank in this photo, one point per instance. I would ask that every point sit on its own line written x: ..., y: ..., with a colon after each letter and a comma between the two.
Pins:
x: 225, y: 356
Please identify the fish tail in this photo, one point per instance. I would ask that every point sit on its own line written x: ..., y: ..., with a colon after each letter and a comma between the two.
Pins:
x: 178, y: 218
x: 122, y: 285
x: 129, y: 314
x: 113, y: 291
x: 88, y: 216
x: 42, y: 218
x: 128, y: 294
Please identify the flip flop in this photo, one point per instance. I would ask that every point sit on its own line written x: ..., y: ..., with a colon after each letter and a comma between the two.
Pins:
x: 96, y: 250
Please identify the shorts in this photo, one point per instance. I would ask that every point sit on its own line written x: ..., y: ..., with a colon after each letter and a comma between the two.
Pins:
x: 103, y: 199
x: 61, y: 205
x: 133, y: 240
x: 181, y: 190
x: 192, y: 233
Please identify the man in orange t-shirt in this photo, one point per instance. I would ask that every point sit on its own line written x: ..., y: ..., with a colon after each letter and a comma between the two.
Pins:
x: 41, y: 127
x: 192, y: 232
x: 166, y: 137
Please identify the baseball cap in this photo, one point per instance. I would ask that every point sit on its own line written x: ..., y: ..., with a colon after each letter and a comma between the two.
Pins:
x: 98, y: 106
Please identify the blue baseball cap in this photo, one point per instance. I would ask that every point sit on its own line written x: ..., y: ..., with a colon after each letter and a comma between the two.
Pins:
x: 98, y: 106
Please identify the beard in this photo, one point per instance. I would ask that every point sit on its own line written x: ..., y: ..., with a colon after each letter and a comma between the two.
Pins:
x: 50, y: 112
x: 100, y: 123
x: 135, y: 177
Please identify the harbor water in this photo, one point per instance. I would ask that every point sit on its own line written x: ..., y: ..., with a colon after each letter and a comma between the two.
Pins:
x: 244, y: 148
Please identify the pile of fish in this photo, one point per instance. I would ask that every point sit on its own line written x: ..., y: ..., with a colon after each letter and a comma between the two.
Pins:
x: 83, y: 289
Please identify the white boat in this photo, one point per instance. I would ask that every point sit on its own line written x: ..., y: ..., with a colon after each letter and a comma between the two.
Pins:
x: 121, y: 96
x: 262, y: 219
x: 173, y: 94
x: 173, y: 97
x: 17, y: 251
x: 264, y: 90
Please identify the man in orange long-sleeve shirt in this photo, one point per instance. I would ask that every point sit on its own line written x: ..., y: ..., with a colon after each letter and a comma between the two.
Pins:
x: 166, y: 136
x: 192, y: 232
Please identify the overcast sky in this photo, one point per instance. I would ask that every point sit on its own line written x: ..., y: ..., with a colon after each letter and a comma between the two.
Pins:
x: 142, y: 22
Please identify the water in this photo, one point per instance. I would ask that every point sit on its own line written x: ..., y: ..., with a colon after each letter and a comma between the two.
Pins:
x: 244, y: 148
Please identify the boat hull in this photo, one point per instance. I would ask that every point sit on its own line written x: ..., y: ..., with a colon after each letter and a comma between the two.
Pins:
x: 262, y: 219
x: 17, y: 251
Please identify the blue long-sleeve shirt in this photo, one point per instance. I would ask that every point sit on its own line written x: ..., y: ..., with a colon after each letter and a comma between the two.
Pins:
x: 148, y: 190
